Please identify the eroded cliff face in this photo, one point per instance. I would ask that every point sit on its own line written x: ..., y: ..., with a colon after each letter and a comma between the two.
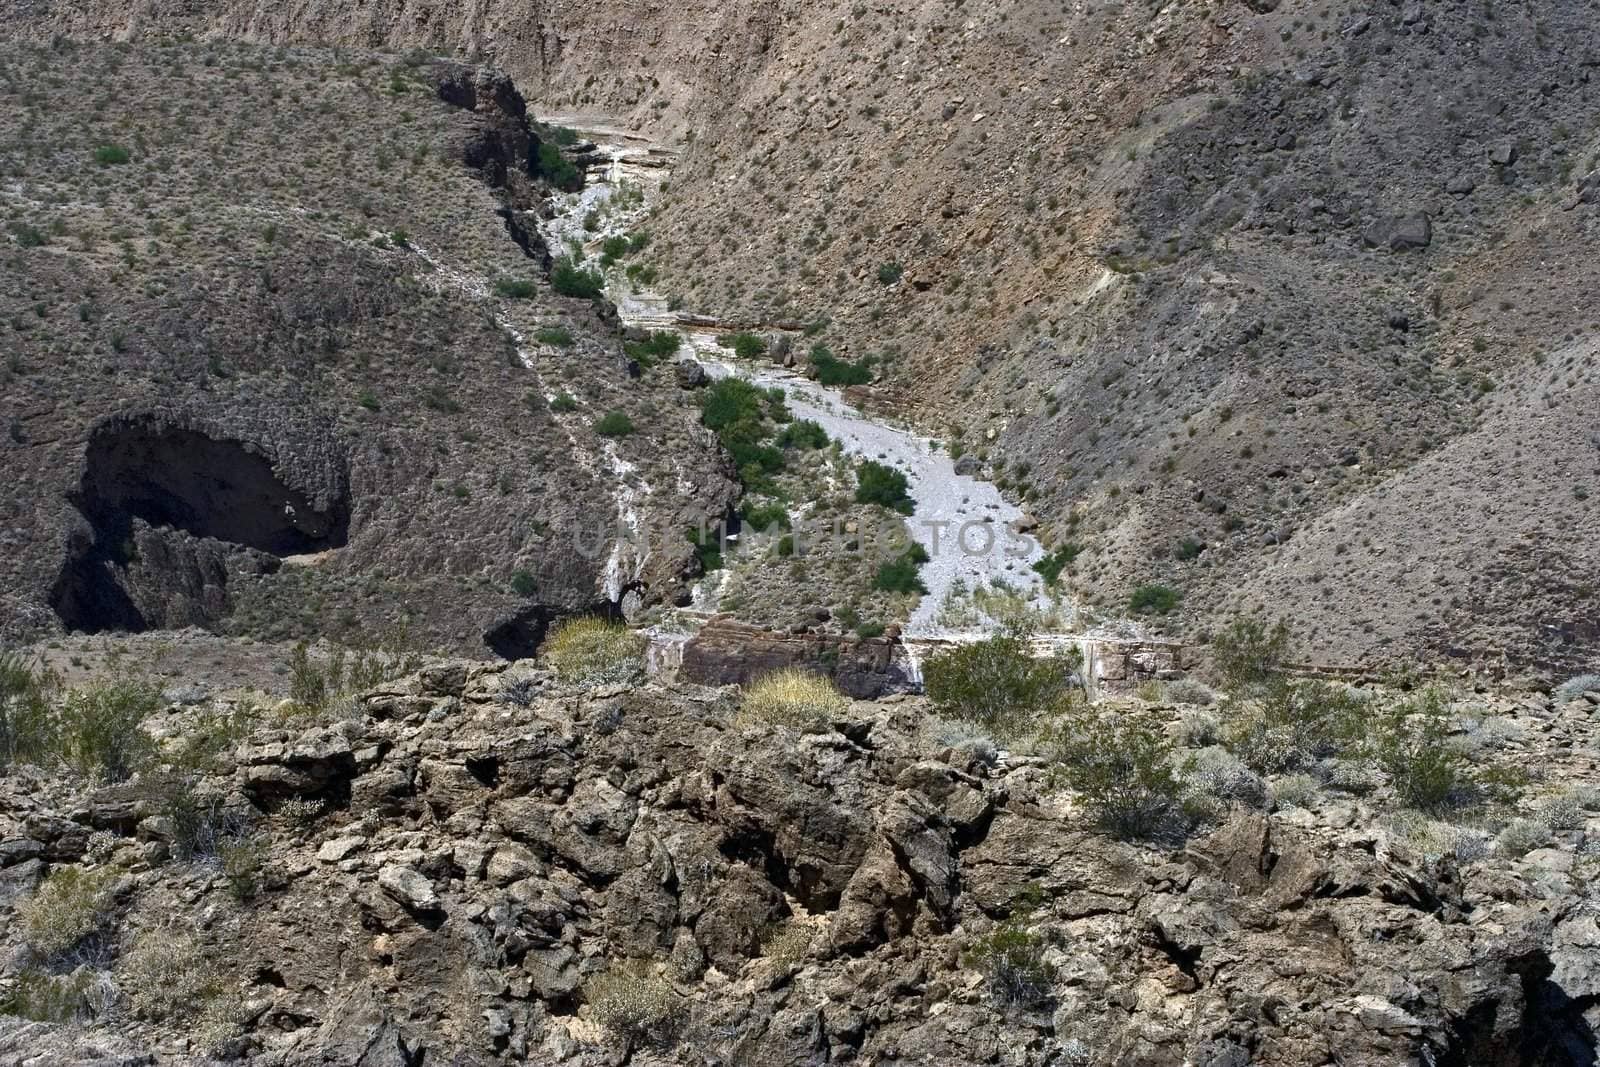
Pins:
x: 264, y: 381
x: 452, y: 873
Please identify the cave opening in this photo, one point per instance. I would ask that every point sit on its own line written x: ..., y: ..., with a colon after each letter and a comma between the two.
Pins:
x: 180, y: 479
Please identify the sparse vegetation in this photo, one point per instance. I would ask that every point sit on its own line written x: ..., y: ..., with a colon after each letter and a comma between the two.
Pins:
x: 101, y: 728
x: 1249, y: 653
x: 569, y: 279
x: 594, y: 651
x: 68, y: 914
x: 514, y: 288
x: 791, y: 697
x: 167, y: 977
x: 634, y: 1003
x: 998, y: 683
x: 613, y: 424
x: 877, y: 483
x: 27, y: 727
x: 1013, y: 964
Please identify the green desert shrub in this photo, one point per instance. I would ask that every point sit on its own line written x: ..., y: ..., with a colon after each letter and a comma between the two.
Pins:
x: 27, y: 725
x: 744, y: 345
x: 877, y: 483
x: 1122, y: 769
x: 594, y: 651
x: 1290, y: 725
x: 1249, y: 653
x: 101, y: 728
x: 1013, y: 964
x: 68, y: 913
x: 1154, y: 599
x: 564, y: 402
x: 556, y: 336
x: 998, y: 683
x: 659, y: 345
x: 569, y: 279
x: 791, y: 697
x: 243, y: 858
x: 1410, y: 742
x: 613, y: 424
x: 1051, y: 566
x: 889, y: 273
x: 899, y: 575
x: 634, y: 1003
x: 559, y: 170
x: 514, y: 288
x: 803, y: 434
x: 111, y: 155
x: 831, y: 370
x: 167, y: 978
x: 765, y: 517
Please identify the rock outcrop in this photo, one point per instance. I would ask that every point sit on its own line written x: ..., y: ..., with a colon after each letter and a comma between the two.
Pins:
x: 455, y: 874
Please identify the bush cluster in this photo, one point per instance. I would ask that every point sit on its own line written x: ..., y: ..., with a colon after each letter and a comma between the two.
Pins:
x: 68, y: 914
x: 831, y: 370
x: 594, y: 651
x: 792, y: 697
x: 569, y: 279
x: 743, y: 418
x: 998, y: 683
x: 877, y: 483
x: 634, y: 1003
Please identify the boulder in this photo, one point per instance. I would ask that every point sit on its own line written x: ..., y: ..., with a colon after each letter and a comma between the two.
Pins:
x: 411, y: 889
x: 1400, y: 233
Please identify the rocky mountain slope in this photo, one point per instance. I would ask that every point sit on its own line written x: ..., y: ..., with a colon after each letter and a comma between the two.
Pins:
x: 482, y: 864
x: 281, y: 357
x: 1229, y: 294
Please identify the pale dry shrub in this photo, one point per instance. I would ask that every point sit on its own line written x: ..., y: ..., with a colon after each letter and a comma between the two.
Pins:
x: 1522, y: 836
x: 634, y: 1003
x: 166, y: 978
x: 595, y: 651
x: 1295, y: 790
x: 69, y: 909
x: 785, y: 943
x: 791, y: 697
x: 1435, y: 838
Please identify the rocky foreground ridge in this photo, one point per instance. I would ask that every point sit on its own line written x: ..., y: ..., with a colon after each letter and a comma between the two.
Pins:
x: 481, y: 865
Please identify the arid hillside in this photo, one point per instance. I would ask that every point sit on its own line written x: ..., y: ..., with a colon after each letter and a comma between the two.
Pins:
x: 1228, y: 294
x: 281, y: 359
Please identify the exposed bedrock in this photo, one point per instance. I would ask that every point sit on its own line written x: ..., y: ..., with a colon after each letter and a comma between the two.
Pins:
x: 170, y: 509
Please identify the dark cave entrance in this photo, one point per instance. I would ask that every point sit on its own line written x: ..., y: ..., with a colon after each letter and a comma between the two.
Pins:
x: 182, y: 480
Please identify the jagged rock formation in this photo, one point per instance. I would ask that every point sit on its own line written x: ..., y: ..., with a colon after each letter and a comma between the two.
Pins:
x: 480, y: 845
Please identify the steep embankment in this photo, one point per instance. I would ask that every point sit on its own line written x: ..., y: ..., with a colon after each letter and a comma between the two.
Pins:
x: 1194, y: 279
